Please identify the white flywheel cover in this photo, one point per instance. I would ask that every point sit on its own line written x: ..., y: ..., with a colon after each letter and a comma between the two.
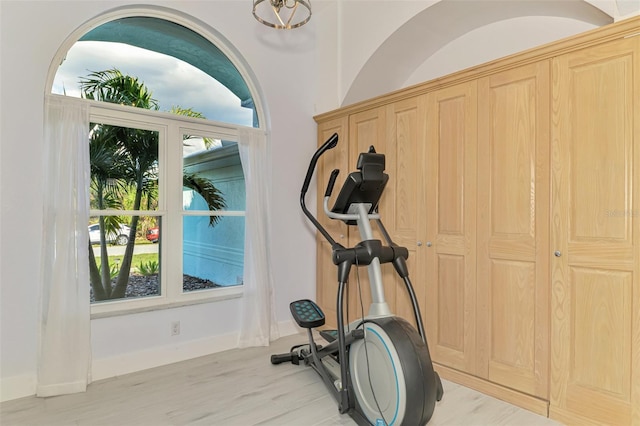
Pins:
x: 377, y: 377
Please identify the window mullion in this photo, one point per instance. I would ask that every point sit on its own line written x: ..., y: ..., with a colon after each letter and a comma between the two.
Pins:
x: 173, y: 225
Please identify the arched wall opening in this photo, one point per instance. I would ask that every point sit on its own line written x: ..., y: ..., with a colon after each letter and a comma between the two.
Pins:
x: 395, y: 62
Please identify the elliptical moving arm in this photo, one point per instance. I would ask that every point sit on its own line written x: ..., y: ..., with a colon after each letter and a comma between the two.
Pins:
x: 329, y: 144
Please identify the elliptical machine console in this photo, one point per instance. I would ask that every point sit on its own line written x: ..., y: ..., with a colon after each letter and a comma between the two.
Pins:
x: 378, y: 367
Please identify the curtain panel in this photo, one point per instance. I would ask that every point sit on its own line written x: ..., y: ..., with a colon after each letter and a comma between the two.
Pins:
x: 64, y: 352
x: 258, y: 322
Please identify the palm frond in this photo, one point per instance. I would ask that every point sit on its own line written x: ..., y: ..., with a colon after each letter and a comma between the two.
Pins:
x: 186, y: 112
x: 205, y: 187
x: 114, y: 87
x: 189, y: 112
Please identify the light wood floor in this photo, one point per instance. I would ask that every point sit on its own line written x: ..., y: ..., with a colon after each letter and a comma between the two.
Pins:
x: 234, y: 388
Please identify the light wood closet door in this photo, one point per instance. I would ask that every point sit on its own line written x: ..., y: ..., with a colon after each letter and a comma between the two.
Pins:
x: 368, y: 128
x: 326, y: 273
x: 405, y: 193
x: 595, y: 312
x: 449, y: 216
x: 513, y: 228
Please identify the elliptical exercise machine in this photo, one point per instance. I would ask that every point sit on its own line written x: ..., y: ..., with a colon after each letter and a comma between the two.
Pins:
x: 378, y: 367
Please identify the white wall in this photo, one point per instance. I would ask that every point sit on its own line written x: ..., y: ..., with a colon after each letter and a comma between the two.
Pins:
x: 390, y: 62
x: 470, y: 49
x: 31, y: 33
x: 369, y: 48
x: 302, y: 73
x: 349, y: 32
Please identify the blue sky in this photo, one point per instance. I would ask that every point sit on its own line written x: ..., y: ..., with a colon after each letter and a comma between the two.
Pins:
x: 171, y: 81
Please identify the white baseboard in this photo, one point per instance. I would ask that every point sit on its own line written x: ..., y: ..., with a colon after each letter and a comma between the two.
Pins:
x: 137, y: 361
x: 131, y: 362
x: 289, y: 327
x: 17, y: 386
x: 25, y: 385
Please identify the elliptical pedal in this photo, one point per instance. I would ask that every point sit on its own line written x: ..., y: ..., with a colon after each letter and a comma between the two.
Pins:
x: 329, y: 335
x: 306, y: 313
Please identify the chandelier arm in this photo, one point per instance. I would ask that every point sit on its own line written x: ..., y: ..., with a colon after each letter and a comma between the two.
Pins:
x: 293, y: 12
x: 277, y: 7
x: 275, y: 11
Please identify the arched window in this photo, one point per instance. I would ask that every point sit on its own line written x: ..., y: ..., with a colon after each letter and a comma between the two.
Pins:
x: 179, y: 66
x: 167, y: 190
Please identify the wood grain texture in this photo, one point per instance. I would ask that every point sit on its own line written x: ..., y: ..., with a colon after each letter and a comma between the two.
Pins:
x: 450, y: 210
x: 555, y: 168
x: 234, y: 388
x: 405, y: 194
x: 596, y: 186
x: 513, y: 229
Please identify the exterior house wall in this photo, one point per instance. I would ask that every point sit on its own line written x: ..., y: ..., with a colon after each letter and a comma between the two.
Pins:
x: 216, y: 252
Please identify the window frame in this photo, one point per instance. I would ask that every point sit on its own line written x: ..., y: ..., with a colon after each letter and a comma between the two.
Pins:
x: 100, y: 109
x: 171, y: 128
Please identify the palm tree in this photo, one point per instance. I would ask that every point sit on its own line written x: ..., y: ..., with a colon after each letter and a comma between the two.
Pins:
x: 106, y: 161
x: 125, y: 159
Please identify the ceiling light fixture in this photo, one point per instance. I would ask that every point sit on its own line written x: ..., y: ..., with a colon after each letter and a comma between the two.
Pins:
x: 288, y: 14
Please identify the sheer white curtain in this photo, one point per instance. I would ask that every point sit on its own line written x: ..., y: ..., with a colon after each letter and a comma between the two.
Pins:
x: 258, y: 325
x: 65, y: 347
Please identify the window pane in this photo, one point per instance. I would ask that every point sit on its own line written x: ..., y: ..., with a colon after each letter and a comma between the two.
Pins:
x: 203, y: 82
x: 213, y: 179
x: 124, y: 168
x: 213, y: 255
x: 113, y: 273
x: 213, y: 245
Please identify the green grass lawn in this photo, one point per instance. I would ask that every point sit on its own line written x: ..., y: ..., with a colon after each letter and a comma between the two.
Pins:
x: 135, y: 261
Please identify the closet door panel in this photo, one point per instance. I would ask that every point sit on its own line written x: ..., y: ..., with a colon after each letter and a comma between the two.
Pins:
x: 513, y: 214
x: 595, y: 364
x: 404, y: 194
x: 449, y: 258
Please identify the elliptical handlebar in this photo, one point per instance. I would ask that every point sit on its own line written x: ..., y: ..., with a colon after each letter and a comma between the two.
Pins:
x: 329, y: 144
x: 332, y: 182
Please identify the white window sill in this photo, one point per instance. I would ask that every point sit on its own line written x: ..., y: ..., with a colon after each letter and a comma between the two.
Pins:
x: 154, y: 303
